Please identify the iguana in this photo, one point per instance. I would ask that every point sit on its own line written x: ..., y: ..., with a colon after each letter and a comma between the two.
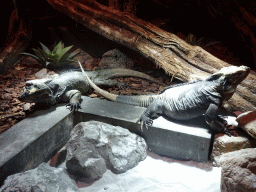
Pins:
x: 188, y: 100
x: 69, y: 86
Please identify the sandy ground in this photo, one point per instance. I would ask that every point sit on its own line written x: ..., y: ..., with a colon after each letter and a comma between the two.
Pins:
x: 160, y: 174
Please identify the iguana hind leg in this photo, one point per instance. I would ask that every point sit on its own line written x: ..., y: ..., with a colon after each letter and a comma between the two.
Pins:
x: 215, y: 121
x: 157, y: 106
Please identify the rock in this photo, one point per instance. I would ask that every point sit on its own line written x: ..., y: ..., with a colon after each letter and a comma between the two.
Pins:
x: 84, y: 58
x: 226, y: 144
x: 247, y: 121
x: 41, y: 179
x: 238, y: 171
x: 27, y: 106
x: 96, y: 146
x: 115, y: 59
x: 41, y: 74
x: 83, y: 160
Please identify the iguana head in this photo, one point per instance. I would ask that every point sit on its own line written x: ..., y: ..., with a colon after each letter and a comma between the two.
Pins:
x: 35, y: 92
x: 229, y: 78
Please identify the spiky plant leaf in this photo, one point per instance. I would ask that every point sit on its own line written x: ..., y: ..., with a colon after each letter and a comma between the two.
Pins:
x: 57, y: 48
x: 58, y: 56
x: 40, y: 55
x: 31, y: 55
x: 62, y: 53
x: 72, y: 55
x: 45, y: 49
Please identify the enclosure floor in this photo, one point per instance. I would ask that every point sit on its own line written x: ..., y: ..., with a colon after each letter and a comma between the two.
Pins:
x: 156, y: 174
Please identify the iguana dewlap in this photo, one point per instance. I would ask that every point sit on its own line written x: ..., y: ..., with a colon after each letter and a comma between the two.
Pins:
x: 69, y: 86
x: 188, y: 100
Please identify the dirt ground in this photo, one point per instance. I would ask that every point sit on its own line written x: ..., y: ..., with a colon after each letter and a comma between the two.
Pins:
x: 12, y: 84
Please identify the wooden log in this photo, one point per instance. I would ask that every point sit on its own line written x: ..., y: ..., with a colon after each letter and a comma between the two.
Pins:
x: 19, y: 35
x: 174, y: 55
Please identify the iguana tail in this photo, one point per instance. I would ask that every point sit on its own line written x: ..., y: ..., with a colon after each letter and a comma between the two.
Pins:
x: 120, y: 72
x: 141, y: 100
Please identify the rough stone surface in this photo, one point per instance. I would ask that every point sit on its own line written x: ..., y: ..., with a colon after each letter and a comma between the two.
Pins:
x: 226, y: 144
x: 238, y: 171
x: 83, y: 57
x: 115, y: 59
x: 247, y: 121
x: 95, y: 146
x: 41, y: 179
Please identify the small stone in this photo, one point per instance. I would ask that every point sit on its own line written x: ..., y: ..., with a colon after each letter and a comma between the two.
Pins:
x: 41, y: 74
x: 26, y: 106
x: 247, y: 121
x: 226, y: 144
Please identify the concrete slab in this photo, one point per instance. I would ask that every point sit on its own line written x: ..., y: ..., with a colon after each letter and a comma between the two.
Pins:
x: 179, y: 139
x: 33, y: 140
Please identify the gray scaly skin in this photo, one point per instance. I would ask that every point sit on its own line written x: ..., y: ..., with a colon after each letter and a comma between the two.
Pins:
x: 188, y: 100
x: 69, y: 86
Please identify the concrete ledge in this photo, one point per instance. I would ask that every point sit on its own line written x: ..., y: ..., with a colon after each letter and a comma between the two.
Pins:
x: 38, y: 137
x: 33, y: 140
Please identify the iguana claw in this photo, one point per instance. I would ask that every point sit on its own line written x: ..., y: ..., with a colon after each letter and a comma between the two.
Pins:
x: 73, y: 106
x: 144, y: 120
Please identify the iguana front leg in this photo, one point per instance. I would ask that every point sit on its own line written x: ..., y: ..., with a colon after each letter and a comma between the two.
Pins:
x: 216, y: 122
x: 74, y: 99
x: 157, y: 106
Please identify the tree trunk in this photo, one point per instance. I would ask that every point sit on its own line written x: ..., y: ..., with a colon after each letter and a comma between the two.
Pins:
x: 19, y: 35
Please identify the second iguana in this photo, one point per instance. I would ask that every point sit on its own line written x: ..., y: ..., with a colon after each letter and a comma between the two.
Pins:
x: 188, y: 100
x: 69, y: 86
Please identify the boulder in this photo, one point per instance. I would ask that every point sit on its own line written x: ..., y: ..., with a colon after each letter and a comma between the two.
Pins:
x: 96, y: 146
x: 225, y: 144
x: 247, y: 121
x: 41, y: 179
x: 238, y: 171
x: 115, y: 59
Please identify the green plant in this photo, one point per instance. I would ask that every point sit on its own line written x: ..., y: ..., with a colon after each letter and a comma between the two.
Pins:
x: 55, y: 58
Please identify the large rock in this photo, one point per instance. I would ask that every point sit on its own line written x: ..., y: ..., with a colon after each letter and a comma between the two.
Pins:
x: 226, y: 144
x: 41, y: 179
x: 95, y: 146
x: 247, y: 121
x: 238, y: 171
x: 115, y: 59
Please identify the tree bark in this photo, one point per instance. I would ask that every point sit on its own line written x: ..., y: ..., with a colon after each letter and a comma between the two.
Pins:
x: 19, y: 36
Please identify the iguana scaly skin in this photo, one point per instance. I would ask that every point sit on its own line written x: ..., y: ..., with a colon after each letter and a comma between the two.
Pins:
x: 69, y: 86
x: 188, y: 100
